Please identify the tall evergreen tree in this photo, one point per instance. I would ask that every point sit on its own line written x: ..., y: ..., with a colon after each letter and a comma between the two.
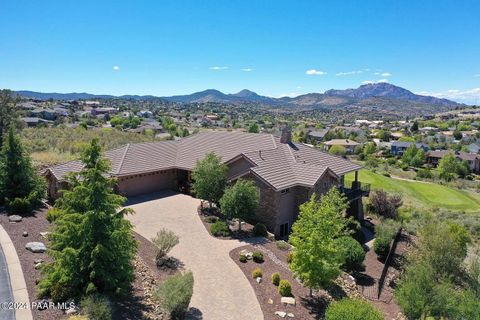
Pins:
x: 8, y: 112
x: 18, y: 178
x: 92, y: 243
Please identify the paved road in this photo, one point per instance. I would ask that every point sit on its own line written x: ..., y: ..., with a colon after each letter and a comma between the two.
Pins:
x: 221, y: 291
x: 6, y: 294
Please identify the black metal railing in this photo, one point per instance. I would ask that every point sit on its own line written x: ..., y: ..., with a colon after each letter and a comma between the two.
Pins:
x: 354, y: 190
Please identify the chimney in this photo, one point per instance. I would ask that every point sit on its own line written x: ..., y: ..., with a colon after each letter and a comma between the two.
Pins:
x: 286, y: 136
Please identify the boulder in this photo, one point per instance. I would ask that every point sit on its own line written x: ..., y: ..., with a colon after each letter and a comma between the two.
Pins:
x: 38, y: 265
x: 36, y: 247
x: 25, y: 234
x: 14, y: 218
x: 259, y: 279
x: 37, y: 261
x: 288, y: 300
x: 281, y: 314
x: 290, y: 315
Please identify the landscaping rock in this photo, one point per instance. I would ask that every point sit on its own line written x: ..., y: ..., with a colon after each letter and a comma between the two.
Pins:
x: 281, y: 314
x: 14, y: 218
x: 270, y: 301
x: 290, y: 315
x: 288, y: 300
x: 259, y: 279
x: 37, y: 261
x: 25, y: 234
x: 44, y: 234
x: 36, y: 247
x: 71, y: 311
x: 38, y: 265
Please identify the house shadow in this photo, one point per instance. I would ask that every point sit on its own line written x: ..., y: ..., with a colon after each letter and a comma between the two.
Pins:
x: 254, y: 240
x: 150, y: 197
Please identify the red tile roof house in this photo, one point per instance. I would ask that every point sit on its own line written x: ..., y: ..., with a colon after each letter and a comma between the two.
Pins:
x: 473, y: 159
x: 286, y: 173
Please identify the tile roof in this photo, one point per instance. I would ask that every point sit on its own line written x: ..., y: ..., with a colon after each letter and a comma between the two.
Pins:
x: 280, y: 165
x: 459, y: 154
x: 342, y: 142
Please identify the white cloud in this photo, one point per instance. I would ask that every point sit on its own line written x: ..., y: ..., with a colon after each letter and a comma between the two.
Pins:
x: 386, y: 74
x: 314, y: 72
x: 348, y: 73
x: 299, y: 87
x: 218, y: 68
x: 377, y: 73
x: 374, y: 81
x: 116, y: 68
x: 466, y: 96
x: 247, y: 69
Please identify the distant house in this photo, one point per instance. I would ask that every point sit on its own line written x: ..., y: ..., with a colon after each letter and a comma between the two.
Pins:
x: 473, y: 159
x: 47, y: 114
x: 98, y: 111
x: 317, y: 135
x: 61, y: 111
x: 398, y: 147
x: 33, y: 121
x: 145, y: 114
x: 348, y: 144
x: 473, y: 148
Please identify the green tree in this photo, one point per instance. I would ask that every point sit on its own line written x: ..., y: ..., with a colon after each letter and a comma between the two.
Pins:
x: 414, y: 127
x: 253, y: 128
x: 317, y: 258
x: 210, y: 178
x: 369, y: 149
x: 240, y: 200
x: 384, y: 135
x: 337, y: 150
x: 447, y: 167
x: 92, y: 244
x: 8, y: 112
x: 18, y: 178
x: 457, y: 135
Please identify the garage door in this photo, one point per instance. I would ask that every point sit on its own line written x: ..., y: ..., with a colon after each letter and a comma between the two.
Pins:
x: 146, y: 183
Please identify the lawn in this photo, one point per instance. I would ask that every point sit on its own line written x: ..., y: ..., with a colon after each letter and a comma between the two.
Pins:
x: 421, y: 193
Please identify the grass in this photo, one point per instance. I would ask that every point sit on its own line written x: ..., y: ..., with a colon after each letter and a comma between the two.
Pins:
x: 416, y: 193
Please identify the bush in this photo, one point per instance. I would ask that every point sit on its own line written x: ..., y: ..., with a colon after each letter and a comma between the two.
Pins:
x: 243, y: 258
x: 384, y: 233
x: 53, y: 214
x: 211, y: 219
x: 285, y: 288
x: 276, y: 278
x: 290, y: 257
x: 19, y: 206
x: 353, y: 253
x: 425, y: 174
x: 385, y: 205
x: 220, y: 228
x: 257, y: 273
x: 257, y: 257
x: 259, y: 230
x: 282, y: 245
x: 352, y: 309
x: 175, y: 293
x: 96, y: 307
x: 164, y: 241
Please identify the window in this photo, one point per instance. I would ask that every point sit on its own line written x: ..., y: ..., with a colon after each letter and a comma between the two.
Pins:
x: 284, y: 230
x: 285, y: 191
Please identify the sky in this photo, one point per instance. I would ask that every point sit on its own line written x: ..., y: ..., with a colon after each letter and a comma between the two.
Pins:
x: 274, y: 48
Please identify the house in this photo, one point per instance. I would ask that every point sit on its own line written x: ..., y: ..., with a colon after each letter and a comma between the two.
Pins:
x: 33, y: 121
x: 348, y: 144
x: 107, y: 110
x: 60, y: 111
x: 473, y: 159
x: 317, y: 135
x: 285, y: 173
x: 398, y: 147
x: 473, y: 148
x: 47, y: 114
x: 145, y: 114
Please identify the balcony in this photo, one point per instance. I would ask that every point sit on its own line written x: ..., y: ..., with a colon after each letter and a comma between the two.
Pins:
x: 354, y: 190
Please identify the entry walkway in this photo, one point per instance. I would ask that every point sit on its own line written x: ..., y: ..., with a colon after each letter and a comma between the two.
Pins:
x: 221, y: 291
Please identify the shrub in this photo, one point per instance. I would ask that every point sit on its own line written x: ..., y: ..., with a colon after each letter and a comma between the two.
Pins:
x: 385, y: 205
x: 290, y: 257
x: 425, y: 174
x: 175, y: 293
x: 53, y: 214
x: 381, y: 246
x: 96, y: 307
x: 276, y: 278
x: 259, y: 230
x: 285, y: 288
x: 282, y: 245
x: 220, y: 228
x: 211, y: 219
x: 257, y: 257
x: 257, y: 273
x: 19, y: 206
x: 164, y: 241
x: 352, y: 309
x: 243, y: 258
x: 384, y: 233
x: 352, y: 251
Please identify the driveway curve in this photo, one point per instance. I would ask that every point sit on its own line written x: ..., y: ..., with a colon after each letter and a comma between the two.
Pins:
x: 220, y: 290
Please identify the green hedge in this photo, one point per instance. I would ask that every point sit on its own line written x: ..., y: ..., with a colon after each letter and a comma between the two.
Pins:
x: 350, y: 309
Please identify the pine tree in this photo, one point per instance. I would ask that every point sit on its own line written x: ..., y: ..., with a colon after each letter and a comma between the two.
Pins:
x: 92, y: 243
x: 8, y: 112
x: 18, y: 178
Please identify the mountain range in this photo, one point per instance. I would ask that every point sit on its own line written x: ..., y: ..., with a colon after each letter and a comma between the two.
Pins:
x: 381, y: 94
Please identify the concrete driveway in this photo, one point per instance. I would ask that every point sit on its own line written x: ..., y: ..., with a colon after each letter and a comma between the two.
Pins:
x: 221, y: 290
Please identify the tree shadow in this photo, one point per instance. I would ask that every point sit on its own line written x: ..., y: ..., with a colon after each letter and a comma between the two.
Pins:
x: 130, y: 307
x: 363, y: 279
x: 194, y: 314
x: 315, y: 305
x: 171, y: 264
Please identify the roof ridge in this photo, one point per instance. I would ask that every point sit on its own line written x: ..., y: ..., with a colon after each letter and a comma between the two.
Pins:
x: 123, y: 158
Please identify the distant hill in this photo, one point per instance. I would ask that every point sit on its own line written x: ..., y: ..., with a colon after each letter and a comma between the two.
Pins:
x: 387, y: 90
x: 377, y: 96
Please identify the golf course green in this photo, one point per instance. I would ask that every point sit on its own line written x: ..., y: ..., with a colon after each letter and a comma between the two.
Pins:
x: 418, y: 193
